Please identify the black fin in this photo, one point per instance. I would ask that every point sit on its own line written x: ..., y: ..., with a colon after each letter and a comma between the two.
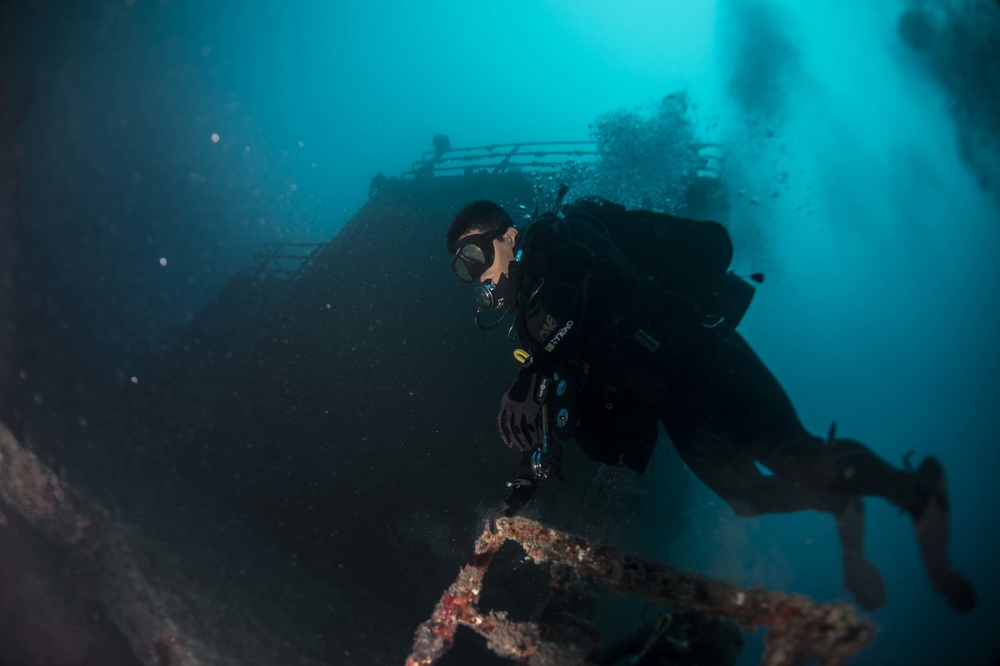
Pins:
x: 862, y: 577
x: 932, y: 525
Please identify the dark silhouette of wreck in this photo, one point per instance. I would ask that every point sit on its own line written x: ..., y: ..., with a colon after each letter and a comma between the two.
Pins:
x: 310, y: 465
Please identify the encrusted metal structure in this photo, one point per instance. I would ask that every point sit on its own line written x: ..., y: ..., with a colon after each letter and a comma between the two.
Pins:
x: 97, y: 544
x: 78, y: 586
x: 800, y: 630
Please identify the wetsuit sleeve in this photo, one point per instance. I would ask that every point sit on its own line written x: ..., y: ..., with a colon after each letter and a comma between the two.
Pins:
x: 587, y: 287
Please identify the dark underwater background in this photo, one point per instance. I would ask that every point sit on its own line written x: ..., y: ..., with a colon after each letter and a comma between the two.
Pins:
x: 325, y: 460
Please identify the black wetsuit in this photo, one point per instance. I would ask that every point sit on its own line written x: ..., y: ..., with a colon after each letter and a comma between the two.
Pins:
x: 642, y: 354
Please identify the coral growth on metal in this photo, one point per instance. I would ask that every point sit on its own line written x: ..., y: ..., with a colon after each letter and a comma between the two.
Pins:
x: 95, y: 540
x: 799, y: 630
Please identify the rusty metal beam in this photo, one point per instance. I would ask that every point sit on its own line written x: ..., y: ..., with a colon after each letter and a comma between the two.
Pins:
x: 800, y: 630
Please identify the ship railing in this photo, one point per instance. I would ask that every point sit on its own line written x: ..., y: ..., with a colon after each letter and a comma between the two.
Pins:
x: 537, y: 156
x: 501, y: 158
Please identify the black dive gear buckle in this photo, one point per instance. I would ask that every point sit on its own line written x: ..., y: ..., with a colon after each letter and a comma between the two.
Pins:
x: 475, y: 255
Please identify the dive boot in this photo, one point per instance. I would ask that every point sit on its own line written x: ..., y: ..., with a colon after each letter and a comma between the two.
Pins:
x: 928, y: 504
x: 861, y: 577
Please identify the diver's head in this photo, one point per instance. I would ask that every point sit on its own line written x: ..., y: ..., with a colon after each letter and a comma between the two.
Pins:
x: 481, y: 241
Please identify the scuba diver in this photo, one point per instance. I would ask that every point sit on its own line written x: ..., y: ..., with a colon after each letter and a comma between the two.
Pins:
x: 628, y: 319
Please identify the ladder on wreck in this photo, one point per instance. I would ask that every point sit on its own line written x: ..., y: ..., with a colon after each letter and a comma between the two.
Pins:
x: 283, y: 261
x: 801, y: 630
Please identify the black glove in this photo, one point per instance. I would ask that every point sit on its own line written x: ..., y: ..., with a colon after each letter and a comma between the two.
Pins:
x: 520, y: 418
x: 522, y: 490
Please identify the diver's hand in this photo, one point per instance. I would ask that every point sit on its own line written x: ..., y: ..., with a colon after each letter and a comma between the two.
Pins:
x: 519, y: 420
x: 522, y: 489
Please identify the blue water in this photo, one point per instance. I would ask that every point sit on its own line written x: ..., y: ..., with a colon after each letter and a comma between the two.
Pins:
x: 169, y: 140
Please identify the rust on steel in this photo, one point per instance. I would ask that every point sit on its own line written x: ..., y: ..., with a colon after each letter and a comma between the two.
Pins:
x: 800, y: 630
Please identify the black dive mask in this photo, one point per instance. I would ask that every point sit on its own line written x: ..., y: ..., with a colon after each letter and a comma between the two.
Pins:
x: 475, y: 255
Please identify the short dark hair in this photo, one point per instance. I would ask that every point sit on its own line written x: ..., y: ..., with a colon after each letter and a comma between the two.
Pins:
x: 477, y: 217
